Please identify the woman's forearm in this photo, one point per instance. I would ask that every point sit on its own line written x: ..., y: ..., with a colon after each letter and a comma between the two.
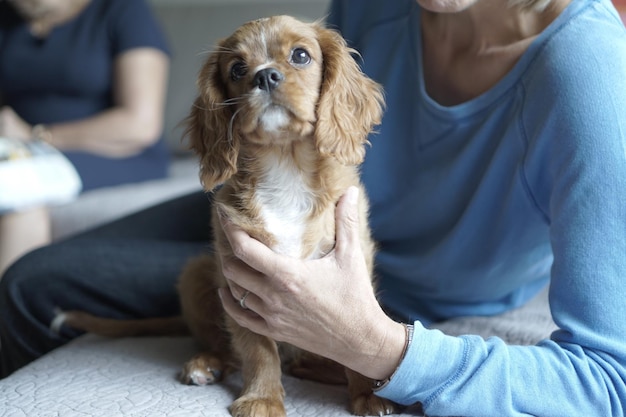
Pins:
x: 116, y: 133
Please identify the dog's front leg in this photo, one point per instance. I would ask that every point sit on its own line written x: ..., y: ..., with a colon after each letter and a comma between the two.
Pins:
x: 263, y: 394
x: 363, y: 401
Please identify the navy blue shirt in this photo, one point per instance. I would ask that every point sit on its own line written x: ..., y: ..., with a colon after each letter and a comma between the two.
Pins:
x: 69, y: 76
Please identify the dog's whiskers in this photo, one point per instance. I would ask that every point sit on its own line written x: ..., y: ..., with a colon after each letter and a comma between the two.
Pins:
x: 225, y: 103
x: 198, y: 107
x: 215, y: 106
x: 231, y: 101
x: 216, y: 50
x: 230, y: 125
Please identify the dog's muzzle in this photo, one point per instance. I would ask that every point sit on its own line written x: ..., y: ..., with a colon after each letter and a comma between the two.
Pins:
x: 268, y: 79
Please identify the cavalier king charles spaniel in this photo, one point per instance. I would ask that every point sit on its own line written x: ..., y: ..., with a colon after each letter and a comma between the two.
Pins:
x: 280, y: 124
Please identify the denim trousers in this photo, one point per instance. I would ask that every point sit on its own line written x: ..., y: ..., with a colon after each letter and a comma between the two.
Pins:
x: 125, y: 269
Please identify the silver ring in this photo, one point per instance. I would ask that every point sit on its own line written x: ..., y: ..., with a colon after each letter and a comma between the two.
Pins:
x: 242, y: 300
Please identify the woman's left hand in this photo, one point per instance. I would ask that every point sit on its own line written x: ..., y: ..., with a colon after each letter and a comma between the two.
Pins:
x: 13, y: 126
x: 326, y: 306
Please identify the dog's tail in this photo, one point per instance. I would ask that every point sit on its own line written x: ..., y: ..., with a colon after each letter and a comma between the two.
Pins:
x: 158, y: 326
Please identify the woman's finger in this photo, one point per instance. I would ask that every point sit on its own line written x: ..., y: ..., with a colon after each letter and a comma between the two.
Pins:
x: 249, y: 250
x: 247, y: 317
x: 241, y: 277
x: 236, y: 290
x: 348, y: 236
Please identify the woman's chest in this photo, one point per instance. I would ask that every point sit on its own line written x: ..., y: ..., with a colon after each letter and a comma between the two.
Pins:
x: 69, y: 62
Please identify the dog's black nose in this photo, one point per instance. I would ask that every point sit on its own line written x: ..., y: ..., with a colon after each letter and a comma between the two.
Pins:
x: 268, y: 79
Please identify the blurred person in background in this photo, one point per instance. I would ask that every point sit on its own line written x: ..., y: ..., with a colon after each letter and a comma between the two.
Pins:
x: 89, y: 77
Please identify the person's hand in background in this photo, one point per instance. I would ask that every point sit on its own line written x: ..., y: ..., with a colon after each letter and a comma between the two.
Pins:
x: 13, y: 126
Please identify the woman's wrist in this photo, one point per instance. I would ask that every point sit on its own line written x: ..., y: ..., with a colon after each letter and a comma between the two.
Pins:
x: 42, y: 132
x: 382, y: 350
x: 381, y: 383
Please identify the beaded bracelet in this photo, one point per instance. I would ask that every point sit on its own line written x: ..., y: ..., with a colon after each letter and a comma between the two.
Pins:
x: 379, y: 384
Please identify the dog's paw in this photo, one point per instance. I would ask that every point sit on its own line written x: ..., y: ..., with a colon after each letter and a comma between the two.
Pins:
x: 371, y: 405
x: 202, y: 370
x: 248, y: 406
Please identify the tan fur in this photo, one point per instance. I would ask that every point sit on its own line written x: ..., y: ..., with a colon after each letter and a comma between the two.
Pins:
x: 331, y: 108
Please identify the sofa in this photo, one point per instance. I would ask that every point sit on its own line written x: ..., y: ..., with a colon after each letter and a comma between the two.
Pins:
x: 95, y: 376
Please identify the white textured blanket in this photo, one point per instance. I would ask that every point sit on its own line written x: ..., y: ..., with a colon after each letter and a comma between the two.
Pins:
x: 138, y: 377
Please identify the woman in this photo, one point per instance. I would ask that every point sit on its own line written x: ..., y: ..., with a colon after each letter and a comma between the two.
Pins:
x: 89, y: 77
x: 499, y: 169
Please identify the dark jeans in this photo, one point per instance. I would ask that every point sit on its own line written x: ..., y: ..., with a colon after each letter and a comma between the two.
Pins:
x: 125, y: 269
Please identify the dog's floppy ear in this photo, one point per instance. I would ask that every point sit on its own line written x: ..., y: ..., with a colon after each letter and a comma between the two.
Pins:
x: 209, y: 130
x: 350, y: 103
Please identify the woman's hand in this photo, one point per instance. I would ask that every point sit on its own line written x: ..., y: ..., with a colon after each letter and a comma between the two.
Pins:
x: 326, y: 306
x: 13, y: 126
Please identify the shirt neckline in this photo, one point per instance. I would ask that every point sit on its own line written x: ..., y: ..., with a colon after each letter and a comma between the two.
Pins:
x: 491, y: 96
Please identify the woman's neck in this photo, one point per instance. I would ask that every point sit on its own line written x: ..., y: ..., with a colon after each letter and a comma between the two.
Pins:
x: 468, y: 52
x: 41, y: 23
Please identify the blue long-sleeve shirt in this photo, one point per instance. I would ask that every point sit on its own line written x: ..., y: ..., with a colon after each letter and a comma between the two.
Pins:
x: 478, y: 206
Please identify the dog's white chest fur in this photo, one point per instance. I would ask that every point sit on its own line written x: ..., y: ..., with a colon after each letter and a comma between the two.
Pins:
x: 286, y: 202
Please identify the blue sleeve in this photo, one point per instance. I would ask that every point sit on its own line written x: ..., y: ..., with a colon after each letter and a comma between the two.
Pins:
x: 133, y: 25
x: 575, y: 127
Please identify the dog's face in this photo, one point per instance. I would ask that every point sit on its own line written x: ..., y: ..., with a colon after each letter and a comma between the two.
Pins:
x: 276, y: 80
x: 271, y: 72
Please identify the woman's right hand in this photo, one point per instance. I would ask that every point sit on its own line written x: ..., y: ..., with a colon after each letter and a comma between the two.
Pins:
x: 325, y: 306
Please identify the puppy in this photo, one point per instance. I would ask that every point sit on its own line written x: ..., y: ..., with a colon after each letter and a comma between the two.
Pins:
x: 281, y: 123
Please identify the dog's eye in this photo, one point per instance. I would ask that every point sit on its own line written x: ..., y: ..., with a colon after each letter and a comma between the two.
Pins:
x: 238, y: 70
x: 300, y: 56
